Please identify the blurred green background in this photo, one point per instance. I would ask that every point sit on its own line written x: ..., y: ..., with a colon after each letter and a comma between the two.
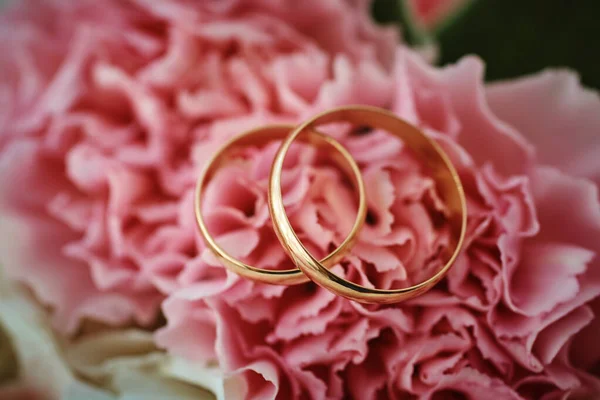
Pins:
x: 514, y: 37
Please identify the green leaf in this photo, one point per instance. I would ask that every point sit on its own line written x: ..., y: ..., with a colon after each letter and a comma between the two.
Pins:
x: 517, y: 37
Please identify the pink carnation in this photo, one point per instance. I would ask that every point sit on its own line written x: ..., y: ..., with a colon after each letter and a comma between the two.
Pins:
x: 110, y: 111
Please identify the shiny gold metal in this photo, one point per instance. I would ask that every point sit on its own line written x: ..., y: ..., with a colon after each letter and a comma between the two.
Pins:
x: 261, y: 136
x: 440, y: 168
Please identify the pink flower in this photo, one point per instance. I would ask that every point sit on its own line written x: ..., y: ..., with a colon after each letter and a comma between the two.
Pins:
x: 112, y: 112
x: 431, y: 13
x: 109, y: 112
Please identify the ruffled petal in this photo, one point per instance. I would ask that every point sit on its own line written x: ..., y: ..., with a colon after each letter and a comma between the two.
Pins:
x: 542, y: 108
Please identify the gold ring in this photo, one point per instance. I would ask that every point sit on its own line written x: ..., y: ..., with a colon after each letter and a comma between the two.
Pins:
x: 261, y: 136
x: 441, y: 168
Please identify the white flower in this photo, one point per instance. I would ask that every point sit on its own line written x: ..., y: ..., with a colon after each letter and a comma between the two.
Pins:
x: 110, y: 365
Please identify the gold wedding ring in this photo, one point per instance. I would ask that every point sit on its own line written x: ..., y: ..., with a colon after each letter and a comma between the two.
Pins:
x: 436, y: 161
x: 259, y: 137
x: 440, y: 168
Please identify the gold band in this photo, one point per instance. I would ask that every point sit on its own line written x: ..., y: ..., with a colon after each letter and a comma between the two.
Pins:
x: 441, y: 170
x: 260, y: 137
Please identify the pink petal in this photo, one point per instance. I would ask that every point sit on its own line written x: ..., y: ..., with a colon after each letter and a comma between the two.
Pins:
x: 512, y: 200
x: 381, y: 194
x: 86, y: 167
x: 373, y: 146
x: 180, y: 58
x: 309, y: 313
x: 209, y: 104
x: 554, y: 337
x: 547, y: 276
x: 585, y: 349
x: 473, y: 384
x: 231, y: 189
x: 238, y: 244
x: 295, y: 93
x: 190, y: 330
x: 382, y: 259
x: 545, y: 106
x: 554, y: 191
x: 307, y: 219
x: 463, y: 85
